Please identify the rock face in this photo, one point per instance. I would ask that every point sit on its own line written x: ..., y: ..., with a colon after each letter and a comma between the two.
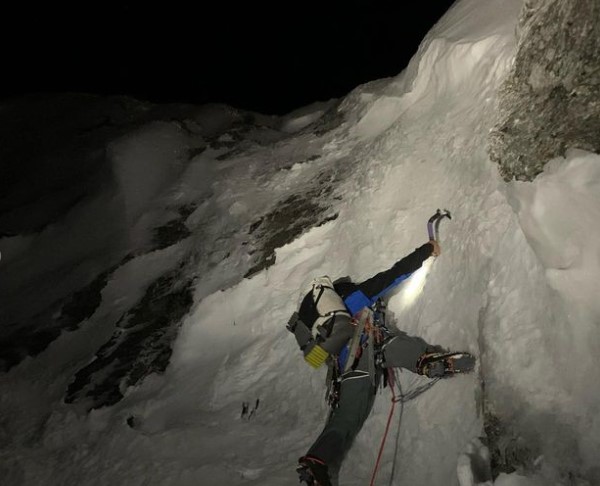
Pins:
x: 550, y: 101
x: 22, y: 339
x: 289, y: 219
x: 140, y: 345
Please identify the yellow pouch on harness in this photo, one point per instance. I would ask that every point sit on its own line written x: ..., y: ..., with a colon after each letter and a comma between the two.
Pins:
x: 316, y: 356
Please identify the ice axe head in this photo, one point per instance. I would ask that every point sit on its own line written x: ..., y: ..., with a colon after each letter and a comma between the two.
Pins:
x: 434, y: 223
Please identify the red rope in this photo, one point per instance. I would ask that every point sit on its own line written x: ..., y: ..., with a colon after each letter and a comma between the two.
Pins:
x: 391, y: 381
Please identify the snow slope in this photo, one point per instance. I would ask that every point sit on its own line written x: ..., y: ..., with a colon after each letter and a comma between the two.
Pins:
x: 511, y: 286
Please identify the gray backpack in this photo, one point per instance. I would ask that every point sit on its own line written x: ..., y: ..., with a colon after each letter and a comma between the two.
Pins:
x: 317, y: 312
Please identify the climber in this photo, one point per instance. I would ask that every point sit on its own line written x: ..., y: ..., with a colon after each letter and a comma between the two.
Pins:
x: 324, y: 327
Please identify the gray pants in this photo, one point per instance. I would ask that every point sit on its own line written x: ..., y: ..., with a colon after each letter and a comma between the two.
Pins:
x: 357, y: 394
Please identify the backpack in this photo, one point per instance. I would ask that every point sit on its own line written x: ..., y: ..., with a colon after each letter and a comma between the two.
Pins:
x: 320, y: 306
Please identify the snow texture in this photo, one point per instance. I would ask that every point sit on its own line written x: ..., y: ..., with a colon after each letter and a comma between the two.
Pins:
x: 516, y: 284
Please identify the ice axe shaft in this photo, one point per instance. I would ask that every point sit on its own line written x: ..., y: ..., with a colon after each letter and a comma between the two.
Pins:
x: 433, y: 224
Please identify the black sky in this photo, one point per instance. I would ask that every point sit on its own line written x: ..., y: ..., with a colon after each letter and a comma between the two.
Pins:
x: 266, y: 57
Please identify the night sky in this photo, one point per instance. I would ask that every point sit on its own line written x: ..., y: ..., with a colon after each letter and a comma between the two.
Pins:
x: 266, y: 57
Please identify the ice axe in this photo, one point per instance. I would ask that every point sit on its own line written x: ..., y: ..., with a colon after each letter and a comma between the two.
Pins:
x: 433, y: 225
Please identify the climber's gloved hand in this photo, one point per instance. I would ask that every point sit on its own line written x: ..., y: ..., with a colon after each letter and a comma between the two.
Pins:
x: 315, y: 355
x: 436, y: 248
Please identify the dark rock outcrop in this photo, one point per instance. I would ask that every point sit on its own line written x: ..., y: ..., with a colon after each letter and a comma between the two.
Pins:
x: 140, y: 345
x: 509, y: 452
x: 289, y: 219
x: 174, y: 231
x: 30, y: 338
x: 550, y: 101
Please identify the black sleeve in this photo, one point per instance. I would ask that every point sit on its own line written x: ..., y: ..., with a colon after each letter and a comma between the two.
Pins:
x: 390, y: 278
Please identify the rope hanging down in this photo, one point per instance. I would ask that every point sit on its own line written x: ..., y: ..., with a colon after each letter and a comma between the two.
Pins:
x: 402, y: 399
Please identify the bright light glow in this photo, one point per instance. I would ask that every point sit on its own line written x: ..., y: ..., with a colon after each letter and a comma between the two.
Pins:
x: 414, y: 285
